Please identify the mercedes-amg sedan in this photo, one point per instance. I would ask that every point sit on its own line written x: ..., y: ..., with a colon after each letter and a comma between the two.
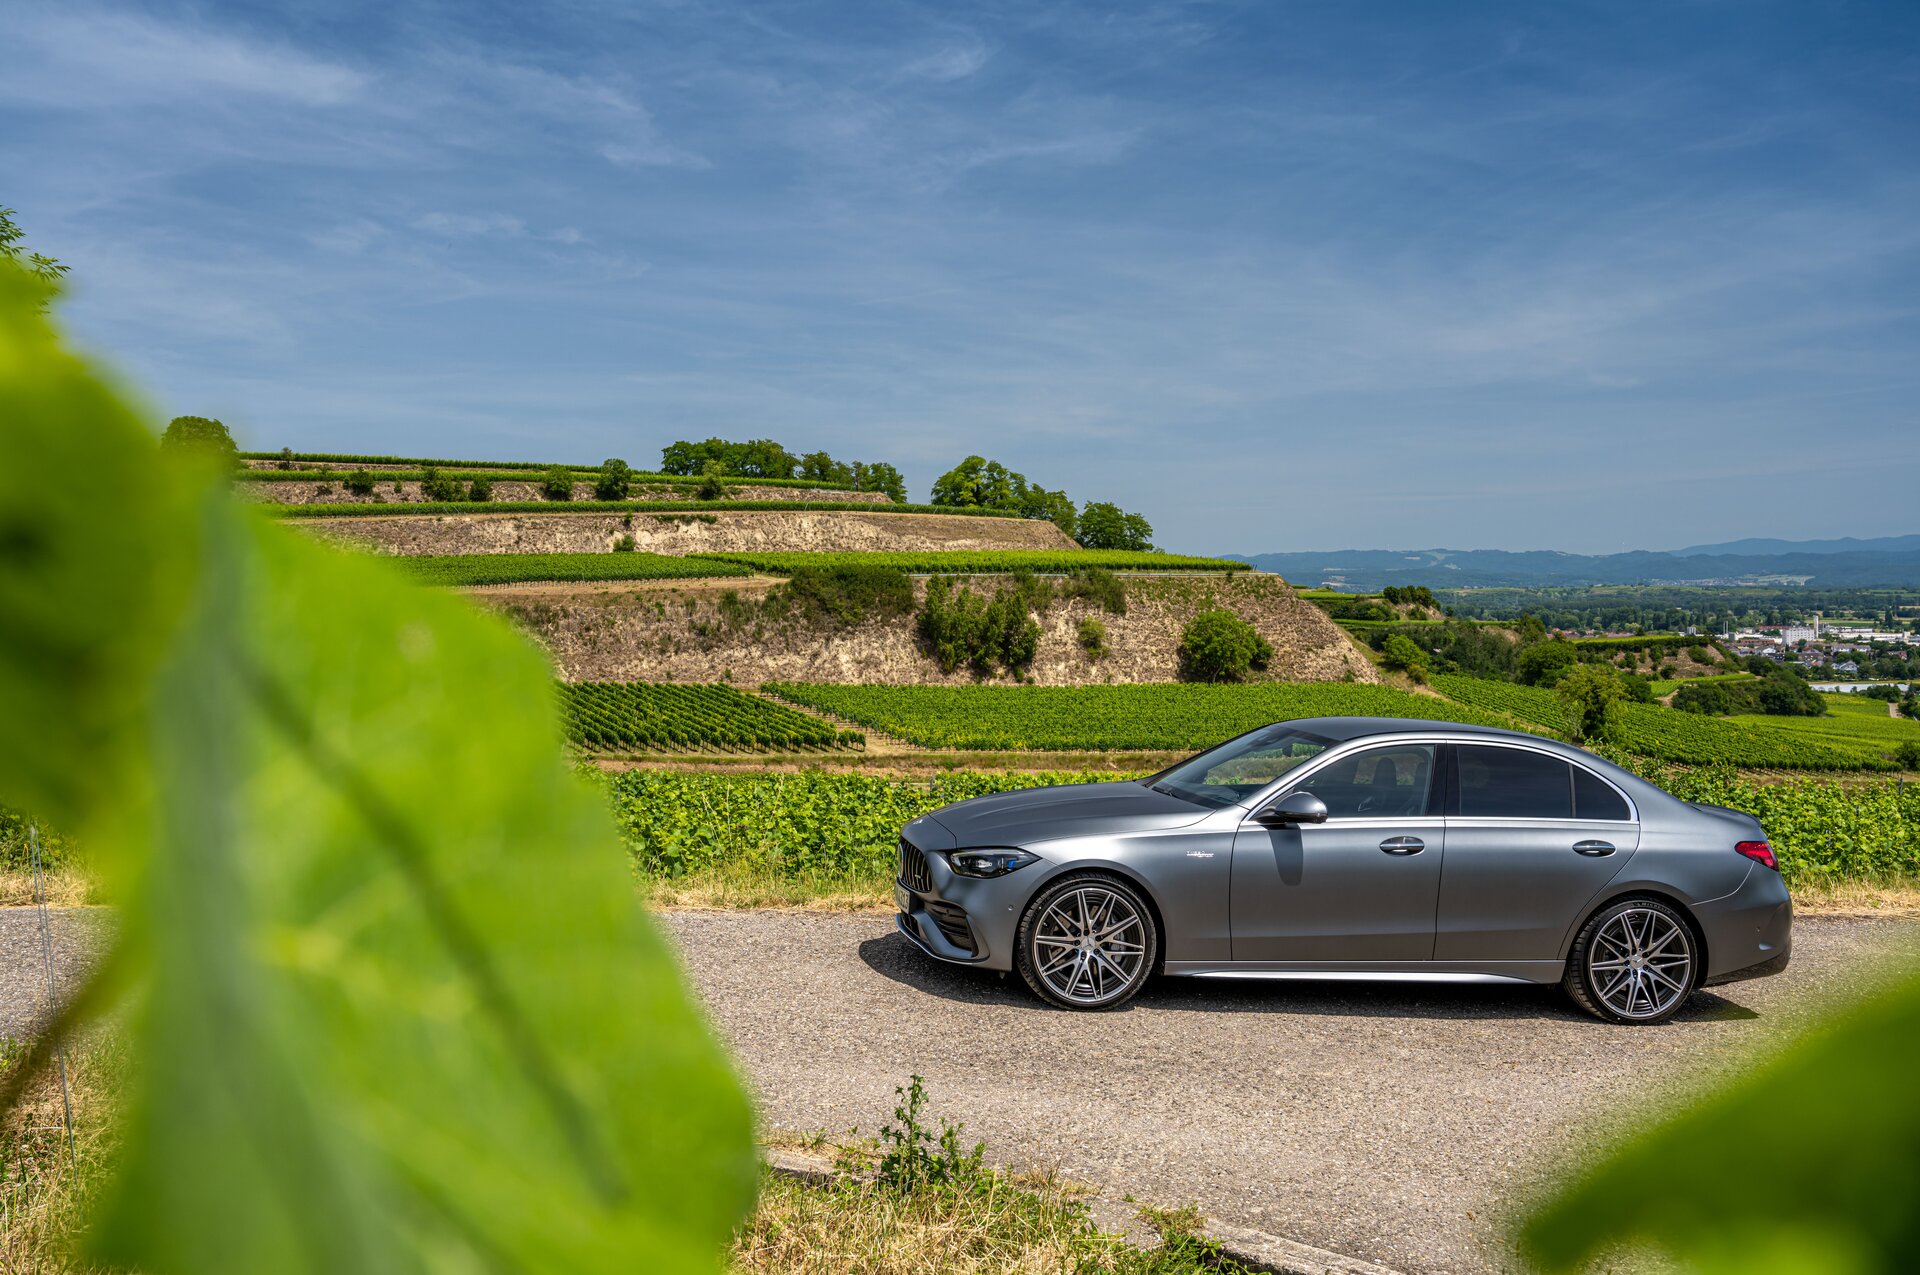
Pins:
x: 1354, y: 848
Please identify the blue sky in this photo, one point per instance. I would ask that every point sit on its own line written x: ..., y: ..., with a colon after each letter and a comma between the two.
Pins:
x: 1281, y: 276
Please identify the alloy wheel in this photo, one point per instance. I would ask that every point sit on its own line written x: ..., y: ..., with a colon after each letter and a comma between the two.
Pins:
x: 1640, y: 963
x: 1089, y: 944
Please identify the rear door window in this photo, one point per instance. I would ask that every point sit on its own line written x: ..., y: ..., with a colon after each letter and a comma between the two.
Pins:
x: 1512, y: 783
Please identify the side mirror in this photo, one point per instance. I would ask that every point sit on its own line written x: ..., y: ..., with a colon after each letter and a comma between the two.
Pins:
x: 1295, y: 807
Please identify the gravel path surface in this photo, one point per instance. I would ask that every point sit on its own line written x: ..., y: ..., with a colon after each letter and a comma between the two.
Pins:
x: 1393, y: 1124
x: 79, y: 936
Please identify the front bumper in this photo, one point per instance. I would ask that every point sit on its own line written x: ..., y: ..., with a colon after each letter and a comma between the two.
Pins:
x: 965, y: 920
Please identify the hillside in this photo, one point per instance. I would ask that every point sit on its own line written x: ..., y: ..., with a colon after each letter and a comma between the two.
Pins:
x: 712, y: 631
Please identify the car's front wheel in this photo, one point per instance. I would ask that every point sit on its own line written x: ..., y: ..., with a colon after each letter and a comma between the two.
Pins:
x: 1634, y: 962
x: 1087, y: 942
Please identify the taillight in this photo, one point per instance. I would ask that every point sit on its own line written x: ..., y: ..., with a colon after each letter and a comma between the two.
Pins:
x: 1759, y: 852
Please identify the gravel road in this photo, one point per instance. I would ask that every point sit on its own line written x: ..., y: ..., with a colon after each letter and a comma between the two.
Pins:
x: 1392, y: 1124
x: 1388, y: 1123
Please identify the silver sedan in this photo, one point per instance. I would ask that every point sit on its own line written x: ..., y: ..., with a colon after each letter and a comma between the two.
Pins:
x: 1354, y: 848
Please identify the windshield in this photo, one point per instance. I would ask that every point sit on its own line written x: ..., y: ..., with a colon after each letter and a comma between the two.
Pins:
x: 1237, y: 770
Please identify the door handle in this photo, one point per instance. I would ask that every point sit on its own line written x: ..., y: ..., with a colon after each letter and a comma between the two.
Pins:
x: 1403, y: 845
x: 1593, y: 849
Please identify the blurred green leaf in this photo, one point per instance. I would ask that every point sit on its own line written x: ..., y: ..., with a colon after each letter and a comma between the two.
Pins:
x: 394, y: 1003
x: 1810, y: 1165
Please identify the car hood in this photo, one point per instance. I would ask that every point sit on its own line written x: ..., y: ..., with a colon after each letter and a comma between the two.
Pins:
x: 1030, y: 815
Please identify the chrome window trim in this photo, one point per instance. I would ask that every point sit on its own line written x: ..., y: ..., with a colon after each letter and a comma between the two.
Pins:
x: 1280, y: 786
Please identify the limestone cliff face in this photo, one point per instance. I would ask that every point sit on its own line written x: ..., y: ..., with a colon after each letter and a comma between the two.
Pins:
x: 684, y: 633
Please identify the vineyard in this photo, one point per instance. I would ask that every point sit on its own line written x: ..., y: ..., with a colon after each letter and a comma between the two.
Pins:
x: 980, y: 562
x: 423, y: 508
x: 513, y: 568
x: 636, y: 715
x: 1667, y: 735
x: 1145, y: 716
x: 792, y: 824
x: 845, y: 824
x: 411, y: 468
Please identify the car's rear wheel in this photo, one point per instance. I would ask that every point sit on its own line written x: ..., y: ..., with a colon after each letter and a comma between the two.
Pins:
x: 1635, y: 962
x: 1087, y: 942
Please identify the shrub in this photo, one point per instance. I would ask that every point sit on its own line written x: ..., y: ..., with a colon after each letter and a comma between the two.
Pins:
x: 1219, y: 646
x: 1401, y: 655
x: 1708, y: 698
x: 480, y: 489
x: 1093, y: 637
x: 1638, y: 689
x: 286, y: 459
x: 957, y: 626
x: 1908, y: 755
x: 614, y: 481
x: 200, y: 433
x: 845, y: 595
x: 1097, y: 584
x: 359, y: 482
x: 623, y: 545
x: 435, y: 485
x: 557, y: 483
x: 710, y: 488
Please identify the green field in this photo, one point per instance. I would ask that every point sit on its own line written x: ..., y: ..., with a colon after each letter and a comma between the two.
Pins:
x: 413, y: 508
x: 982, y: 562
x: 513, y: 568
x: 1668, y: 735
x: 1664, y: 687
x: 1145, y: 716
x: 631, y: 715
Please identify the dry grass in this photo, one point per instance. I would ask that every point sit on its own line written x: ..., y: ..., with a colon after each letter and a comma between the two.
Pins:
x: 1898, y: 898
x: 737, y: 887
x: 65, y: 888
x: 42, y: 1197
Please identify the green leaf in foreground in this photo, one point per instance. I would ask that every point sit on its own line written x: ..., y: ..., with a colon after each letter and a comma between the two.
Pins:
x: 1810, y: 1166
x: 394, y: 1005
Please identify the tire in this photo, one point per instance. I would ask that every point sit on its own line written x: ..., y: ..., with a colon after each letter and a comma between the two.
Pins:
x: 1107, y: 969
x: 1635, y: 962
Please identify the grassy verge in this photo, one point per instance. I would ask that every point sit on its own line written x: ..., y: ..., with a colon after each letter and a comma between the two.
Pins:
x: 913, y: 1202
x: 737, y: 885
x: 43, y: 1195
x: 66, y: 887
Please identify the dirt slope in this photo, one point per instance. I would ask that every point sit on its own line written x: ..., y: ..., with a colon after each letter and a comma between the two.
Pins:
x: 662, y: 634
x: 688, y: 533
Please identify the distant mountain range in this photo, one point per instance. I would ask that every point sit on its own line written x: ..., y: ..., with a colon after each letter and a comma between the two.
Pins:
x: 1886, y: 562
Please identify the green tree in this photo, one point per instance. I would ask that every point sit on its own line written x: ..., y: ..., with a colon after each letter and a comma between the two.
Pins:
x: 1592, y: 694
x: 1907, y: 755
x: 1105, y: 526
x: 880, y: 477
x: 203, y: 434
x: 1545, y: 663
x: 437, y: 485
x: 976, y: 483
x: 363, y: 1051
x: 1219, y: 646
x: 45, y: 272
x: 711, y: 488
x: 1709, y: 698
x: 557, y: 483
x: 614, y: 481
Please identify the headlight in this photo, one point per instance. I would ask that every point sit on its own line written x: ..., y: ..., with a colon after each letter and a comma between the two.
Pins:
x: 989, y: 863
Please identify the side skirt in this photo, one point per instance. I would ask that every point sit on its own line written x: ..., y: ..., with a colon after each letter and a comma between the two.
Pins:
x: 1523, y: 972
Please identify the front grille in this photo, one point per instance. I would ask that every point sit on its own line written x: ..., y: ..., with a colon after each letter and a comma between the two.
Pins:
x: 952, y: 922
x: 913, y: 868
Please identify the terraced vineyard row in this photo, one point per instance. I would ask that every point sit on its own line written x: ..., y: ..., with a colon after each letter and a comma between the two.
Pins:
x: 512, y: 568
x: 413, y: 508
x: 633, y: 715
x: 1663, y: 733
x: 1149, y: 716
x: 982, y: 562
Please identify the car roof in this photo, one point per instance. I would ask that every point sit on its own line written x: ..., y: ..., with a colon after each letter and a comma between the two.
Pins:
x: 1346, y: 728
